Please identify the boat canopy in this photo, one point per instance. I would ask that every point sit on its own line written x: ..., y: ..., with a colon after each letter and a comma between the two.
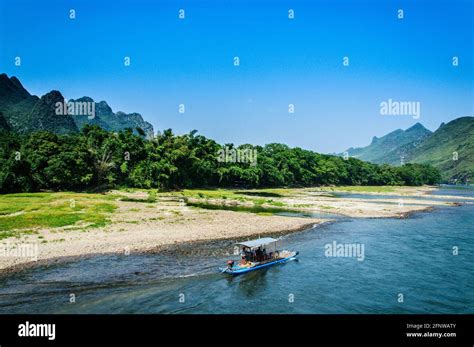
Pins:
x: 258, y: 242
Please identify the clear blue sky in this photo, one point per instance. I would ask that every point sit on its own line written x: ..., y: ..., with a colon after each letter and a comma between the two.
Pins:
x: 282, y: 61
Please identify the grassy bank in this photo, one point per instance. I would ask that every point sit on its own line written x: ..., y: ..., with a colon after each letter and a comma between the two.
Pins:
x: 25, y: 212
x: 70, y: 224
x: 365, y: 189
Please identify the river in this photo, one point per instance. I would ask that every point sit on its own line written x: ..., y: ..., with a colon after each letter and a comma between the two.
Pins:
x: 422, y: 264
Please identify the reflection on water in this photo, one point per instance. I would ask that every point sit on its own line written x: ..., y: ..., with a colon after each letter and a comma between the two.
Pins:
x: 261, y: 209
x: 411, y: 256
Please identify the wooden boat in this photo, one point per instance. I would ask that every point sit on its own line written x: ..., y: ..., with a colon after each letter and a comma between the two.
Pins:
x: 258, y: 254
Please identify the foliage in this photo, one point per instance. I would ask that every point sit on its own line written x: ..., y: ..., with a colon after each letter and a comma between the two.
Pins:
x: 95, y: 158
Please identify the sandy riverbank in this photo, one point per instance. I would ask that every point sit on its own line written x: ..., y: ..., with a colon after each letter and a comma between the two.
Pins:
x: 405, y: 201
x: 147, y: 226
x: 149, y: 229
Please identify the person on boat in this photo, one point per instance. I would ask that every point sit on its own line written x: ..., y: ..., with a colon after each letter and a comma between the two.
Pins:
x: 246, y: 254
x: 246, y: 257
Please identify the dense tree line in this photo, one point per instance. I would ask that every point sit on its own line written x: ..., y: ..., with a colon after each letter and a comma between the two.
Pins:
x: 97, y: 159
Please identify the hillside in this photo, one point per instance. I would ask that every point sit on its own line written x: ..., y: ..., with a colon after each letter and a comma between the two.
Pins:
x: 24, y: 113
x: 419, y: 145
x: 439, y: 150
x: 3, y: 123
x: 108, y: 120
x: 391, y: 147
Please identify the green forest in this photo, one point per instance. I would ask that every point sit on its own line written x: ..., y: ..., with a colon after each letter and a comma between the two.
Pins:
x: 96, y: 159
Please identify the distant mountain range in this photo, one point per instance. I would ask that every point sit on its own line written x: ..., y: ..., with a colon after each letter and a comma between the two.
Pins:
x: 450, y: 148
x: 24, y: 113
x: 393, y: 146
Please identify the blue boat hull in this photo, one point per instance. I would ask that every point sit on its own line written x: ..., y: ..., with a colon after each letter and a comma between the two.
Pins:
x: 239, y: 271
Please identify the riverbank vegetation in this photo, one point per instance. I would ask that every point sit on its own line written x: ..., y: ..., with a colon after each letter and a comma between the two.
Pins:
x: 96, y: 160
x: 23, y: 213
x: 41, y: 214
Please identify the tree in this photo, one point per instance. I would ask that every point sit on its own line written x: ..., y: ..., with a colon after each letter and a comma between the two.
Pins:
x: 97, y: 158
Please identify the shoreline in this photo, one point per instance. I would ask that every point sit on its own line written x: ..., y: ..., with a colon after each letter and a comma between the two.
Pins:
x: 169, y: 224
x: 171, y: 248
x: 176, y: 248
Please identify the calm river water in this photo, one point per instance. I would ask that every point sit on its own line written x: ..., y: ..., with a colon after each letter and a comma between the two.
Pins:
x: 413, y: 257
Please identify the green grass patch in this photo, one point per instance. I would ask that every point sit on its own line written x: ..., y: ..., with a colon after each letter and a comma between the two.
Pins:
x: 246, y: 195
x: 363, y: 189
x: 326, y: 207
x: 52, y: 210
x: 152, y: 198
x: 302, y: 205
x: 207, y: 194
x: 277, y: 203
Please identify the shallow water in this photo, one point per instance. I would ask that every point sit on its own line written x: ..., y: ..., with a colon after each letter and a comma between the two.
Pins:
x: 413, y: 257
x: 455, y: 190
x: 441, y: 195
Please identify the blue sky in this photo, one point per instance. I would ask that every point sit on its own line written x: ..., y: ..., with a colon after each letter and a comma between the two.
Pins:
x: 282, y: 62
